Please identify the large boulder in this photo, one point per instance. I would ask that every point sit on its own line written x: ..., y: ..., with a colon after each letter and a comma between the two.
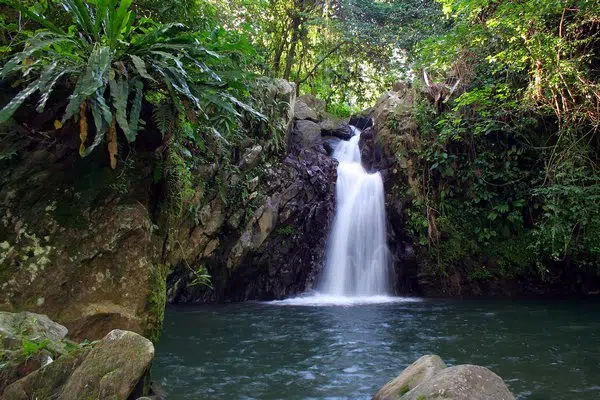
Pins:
x: 317, y: 105
x: 77, y: 242
x: 429, y: 379
x: 307, y: 134
x: 416, y: 373
x: 280, y: 94
x: 113, y: 370
x: 341, y: 131
x: 463, y: 382
x: 303, y: 112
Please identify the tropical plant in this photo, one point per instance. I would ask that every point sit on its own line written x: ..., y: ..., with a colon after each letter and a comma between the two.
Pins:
x: 111, y: 62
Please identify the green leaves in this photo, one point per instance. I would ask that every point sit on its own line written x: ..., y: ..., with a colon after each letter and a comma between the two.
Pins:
x: 93, y: 78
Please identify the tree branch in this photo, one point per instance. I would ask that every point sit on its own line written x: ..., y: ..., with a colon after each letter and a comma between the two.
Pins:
x: 312, y: 71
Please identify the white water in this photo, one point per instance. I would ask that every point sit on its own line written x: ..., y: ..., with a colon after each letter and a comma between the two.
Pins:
x: 357, y: 263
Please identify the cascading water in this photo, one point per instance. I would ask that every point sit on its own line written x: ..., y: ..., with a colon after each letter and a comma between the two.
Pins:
x: 357, y: 254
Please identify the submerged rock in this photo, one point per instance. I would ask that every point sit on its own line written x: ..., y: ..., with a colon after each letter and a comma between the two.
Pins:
x: 429, y: 379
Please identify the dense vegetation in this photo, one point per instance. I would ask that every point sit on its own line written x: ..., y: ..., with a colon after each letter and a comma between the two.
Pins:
x: 506, y: 167
x: 510, y: 167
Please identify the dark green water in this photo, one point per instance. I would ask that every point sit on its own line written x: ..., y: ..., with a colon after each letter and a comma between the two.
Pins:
x: 543, y: 350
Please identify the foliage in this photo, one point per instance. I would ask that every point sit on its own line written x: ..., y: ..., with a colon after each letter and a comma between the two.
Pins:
x: 509, y: 168
x: 111, y: 63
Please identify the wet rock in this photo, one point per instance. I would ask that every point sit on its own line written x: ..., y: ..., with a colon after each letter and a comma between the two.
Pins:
x: 362, y: 122
x: 416, y: 373
x: 342, y: 131
x: 303, y: 112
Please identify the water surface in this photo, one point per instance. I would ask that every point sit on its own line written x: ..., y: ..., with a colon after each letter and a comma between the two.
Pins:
x: 543, y: 349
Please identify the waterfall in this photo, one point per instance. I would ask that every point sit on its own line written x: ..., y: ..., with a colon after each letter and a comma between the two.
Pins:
x: 357, y: 262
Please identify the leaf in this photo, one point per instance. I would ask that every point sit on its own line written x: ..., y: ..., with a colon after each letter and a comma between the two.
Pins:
x: 47, y: 90
x: 136, y: 108
x: 16, y: 4
x: 82, y: 17
x: 119, y: 91
x: 95, y: 77
x: 102, y: 120
x: 16, y: 101
x: 140, y: 67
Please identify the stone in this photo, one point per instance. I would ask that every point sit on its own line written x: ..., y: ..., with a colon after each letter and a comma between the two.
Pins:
x: 317, y: 105
x: 47, y: 382
x: 303, y: 112
x: 251, y: 157
x: 15, y: 329
x: 76, y: 250
x: 307, y: 134
x: 416, y: 373
x: 462, y: 382
x: 31, y: 326
x: 362, y: 122
x: 112, y: 369
x: 341, y: 131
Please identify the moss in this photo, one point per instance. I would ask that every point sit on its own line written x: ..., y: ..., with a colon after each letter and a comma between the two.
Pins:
x: 156, y: 302
x: 403, y: 390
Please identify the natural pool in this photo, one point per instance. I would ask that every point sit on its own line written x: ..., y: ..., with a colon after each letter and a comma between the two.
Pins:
x: 542, y: 349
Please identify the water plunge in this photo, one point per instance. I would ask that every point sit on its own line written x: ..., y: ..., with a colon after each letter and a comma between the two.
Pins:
x: 357, y: 254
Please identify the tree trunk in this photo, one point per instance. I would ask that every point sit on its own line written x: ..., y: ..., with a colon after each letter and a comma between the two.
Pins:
x: 289, y: 60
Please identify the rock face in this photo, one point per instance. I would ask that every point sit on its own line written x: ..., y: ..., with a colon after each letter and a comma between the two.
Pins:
x: 113, y: 369
x: 429, y: 379
x: 279, y: 251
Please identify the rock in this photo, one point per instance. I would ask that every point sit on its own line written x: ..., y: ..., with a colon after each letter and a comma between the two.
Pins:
x: 429, y: 379
x: 31, y: 326
x: 112, y: 369
x: 283, y: 94
x: 47, y: 382
x: 251, y: 157
x: 303, y: 112
x: 362, y: 122
x: 463, y: 382
x: 315, y: 104
x: 342, y: 131
x: 44, y: 339
x: 76, y: 250
x: 419, y: 371
x: 307, y: 134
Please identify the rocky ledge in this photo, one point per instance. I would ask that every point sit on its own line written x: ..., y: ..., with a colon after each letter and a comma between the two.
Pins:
x: 429, y: 378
